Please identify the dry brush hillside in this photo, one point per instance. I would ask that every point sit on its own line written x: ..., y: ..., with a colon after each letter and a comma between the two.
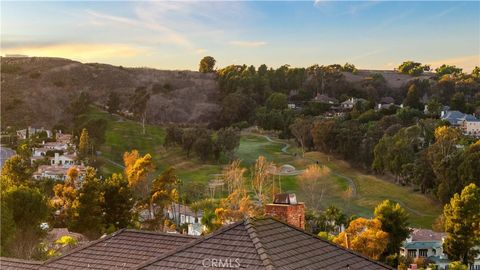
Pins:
x: 37, y: 90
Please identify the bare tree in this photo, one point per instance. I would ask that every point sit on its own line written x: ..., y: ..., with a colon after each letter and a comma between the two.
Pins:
x: 261, y: 183
x: 233, y: 176
x: 313, y: 186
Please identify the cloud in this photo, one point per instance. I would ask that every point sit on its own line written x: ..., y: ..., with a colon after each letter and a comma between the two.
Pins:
x: 468, y: 63
x: 182, y: 23
x: 247, y: 44
x: 83, y: 52
x: 168, y: 34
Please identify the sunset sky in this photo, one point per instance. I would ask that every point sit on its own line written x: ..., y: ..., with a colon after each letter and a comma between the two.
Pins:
x: 176, y: 35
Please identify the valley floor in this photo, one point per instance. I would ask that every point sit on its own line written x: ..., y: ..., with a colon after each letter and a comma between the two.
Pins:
x: 347, y: 188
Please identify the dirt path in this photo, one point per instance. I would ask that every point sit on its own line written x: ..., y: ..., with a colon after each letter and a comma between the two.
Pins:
x: 297, y: 172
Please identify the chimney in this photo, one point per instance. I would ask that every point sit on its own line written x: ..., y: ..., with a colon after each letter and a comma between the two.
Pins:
x: 286, y: 208
x: 57, y: 158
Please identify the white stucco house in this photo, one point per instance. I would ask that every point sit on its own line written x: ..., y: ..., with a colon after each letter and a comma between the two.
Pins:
x: 350, y: 103
x: 427, y: 244
x: 63, y: 160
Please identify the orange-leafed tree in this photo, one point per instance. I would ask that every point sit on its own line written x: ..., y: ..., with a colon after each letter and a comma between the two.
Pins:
x: 364, y: 236
x: 237, y: 206
x: 137, y: 169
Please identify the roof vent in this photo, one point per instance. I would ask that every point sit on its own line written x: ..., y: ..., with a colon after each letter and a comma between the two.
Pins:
x: 285, y: 198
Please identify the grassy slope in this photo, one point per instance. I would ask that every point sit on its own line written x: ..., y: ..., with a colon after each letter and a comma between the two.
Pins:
x: 125, y: 135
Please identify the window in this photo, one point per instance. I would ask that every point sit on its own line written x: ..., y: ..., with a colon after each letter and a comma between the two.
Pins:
x: 412, y: 253
x: 423, y: 252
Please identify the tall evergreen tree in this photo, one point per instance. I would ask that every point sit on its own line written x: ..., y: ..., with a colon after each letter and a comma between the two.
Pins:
x: 83, y: 145
x: 394, y: 222
x: 462, y: 225
x: 87, y: 208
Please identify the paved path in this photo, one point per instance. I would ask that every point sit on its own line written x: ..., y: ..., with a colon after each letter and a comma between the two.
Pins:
x: 297, y: 172
x: 114, y: 163
x: 5, y: 153
x: 349, y: 179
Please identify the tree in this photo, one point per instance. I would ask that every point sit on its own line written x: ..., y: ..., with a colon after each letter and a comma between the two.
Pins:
x: 413, y: 98
x: 118, y: 202
x: 16, y: 170
x: 447, y: 69
x: 79, y: 105
x: 301, y: 129
x: 24, y: 150
x: 173, y: 136
x: 113, y: 102
x: 228, y: 139
x: 163, y: 192
x: 203, y: 145
x: 462, y: 225
x: 277, y: 101
x: 83, y: 145
x: 233, y: 176
x: 394, y: 221
x: 457, y: 102
x: 469, y: 169
x: 28, y: 210
x: 236, y: 206
x: 87, y: 208
x: 64, y: 198
x: 236, y: 107
x: 333, y: 219
x: 457, y: 266
x: 312, y: 184
x: 326, y: 236
x: 364, y: 236
x: 137, y: 169
x: 413, y: 68
x: 7, y: 229
x: 397, y: 152
x: 444, y: 158
x: 189, y: 137
x: 207, y: 64
x: 434, y: 108
x: 262, y: 187
x: 139, y: 105
x: 321, y: 133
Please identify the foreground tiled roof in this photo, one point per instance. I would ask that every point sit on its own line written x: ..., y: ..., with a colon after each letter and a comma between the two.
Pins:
x: 264, y: 243
x: 17, y: 264
x: 121, y: 250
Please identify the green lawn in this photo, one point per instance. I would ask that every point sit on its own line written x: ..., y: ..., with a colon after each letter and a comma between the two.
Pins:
x: 125, y: 135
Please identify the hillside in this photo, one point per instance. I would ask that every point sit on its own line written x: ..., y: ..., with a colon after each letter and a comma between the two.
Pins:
x: 36, y: 91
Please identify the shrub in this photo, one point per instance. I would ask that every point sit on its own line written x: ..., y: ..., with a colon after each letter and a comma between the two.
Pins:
x: 10, y: 68
x: 35, y: 75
